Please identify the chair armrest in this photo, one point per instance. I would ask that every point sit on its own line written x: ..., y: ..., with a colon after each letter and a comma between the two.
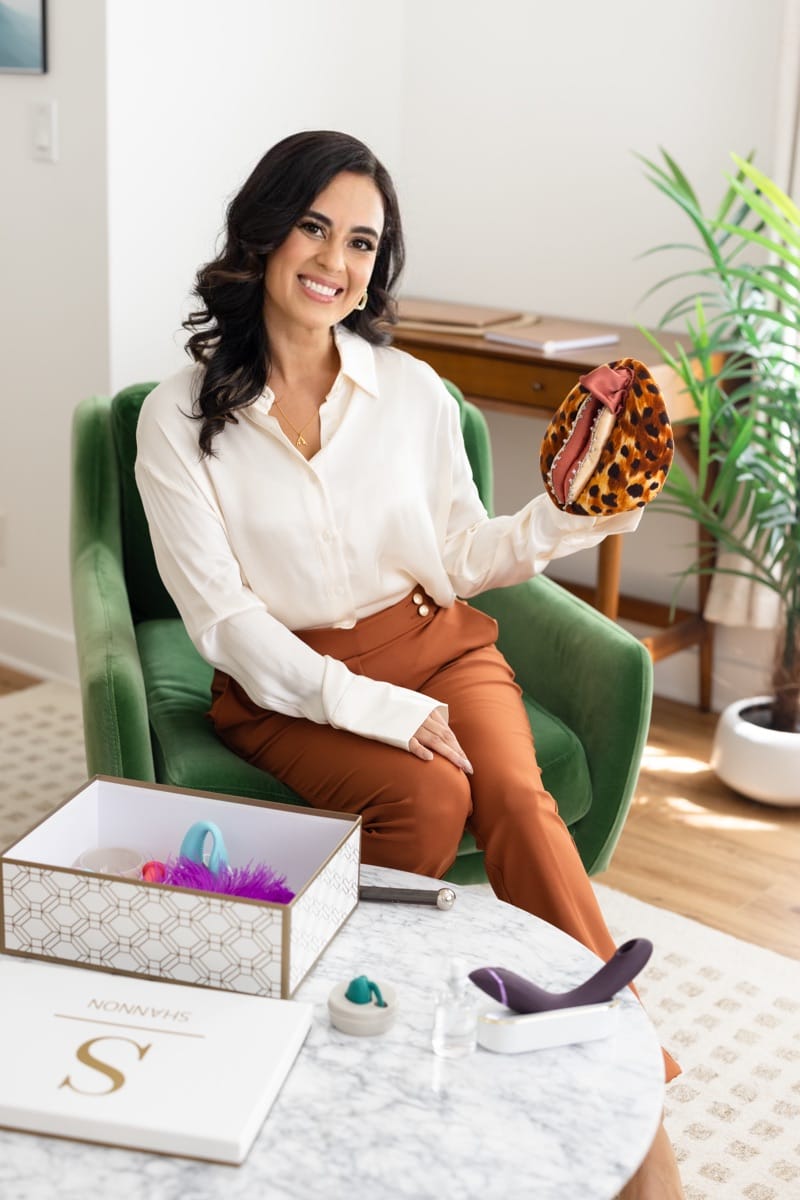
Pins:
x: 597, y: 678
x: 116, y: 726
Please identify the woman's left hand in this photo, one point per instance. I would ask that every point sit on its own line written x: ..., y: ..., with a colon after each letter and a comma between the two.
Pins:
x: 435, y: 736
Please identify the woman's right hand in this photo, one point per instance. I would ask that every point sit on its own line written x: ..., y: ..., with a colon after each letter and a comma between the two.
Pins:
x: 435, y: 736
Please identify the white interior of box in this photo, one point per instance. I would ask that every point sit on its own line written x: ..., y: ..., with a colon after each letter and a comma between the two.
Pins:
x: 294, y: 842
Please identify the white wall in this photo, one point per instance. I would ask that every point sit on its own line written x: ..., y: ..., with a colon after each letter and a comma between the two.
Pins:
x: 160, y: 122
x: 53, y: 326
x: 521, y: 124
x: 510, y: 128
x: 522, y: 187
x: 198, y: 90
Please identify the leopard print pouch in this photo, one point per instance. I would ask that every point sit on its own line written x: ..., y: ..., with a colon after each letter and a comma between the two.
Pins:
x: 609, y: 445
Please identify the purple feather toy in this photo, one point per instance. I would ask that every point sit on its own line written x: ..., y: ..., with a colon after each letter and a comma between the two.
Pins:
x: 188, y: 870
x: 257, y: 882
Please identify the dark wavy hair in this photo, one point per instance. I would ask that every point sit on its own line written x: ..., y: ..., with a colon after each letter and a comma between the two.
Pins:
x: 228, y: 334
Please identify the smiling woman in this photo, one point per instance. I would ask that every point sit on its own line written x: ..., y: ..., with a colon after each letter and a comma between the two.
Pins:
x: 314, y: 517
x: 313, y: 280
x: 291, y: 237
x: 326, y: 259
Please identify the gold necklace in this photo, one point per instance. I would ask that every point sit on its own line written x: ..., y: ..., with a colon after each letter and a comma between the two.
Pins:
x: 301, y: 441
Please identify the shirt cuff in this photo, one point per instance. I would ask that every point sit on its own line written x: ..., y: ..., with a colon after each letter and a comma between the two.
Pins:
x: 572, y: 526
x: 382, y: 711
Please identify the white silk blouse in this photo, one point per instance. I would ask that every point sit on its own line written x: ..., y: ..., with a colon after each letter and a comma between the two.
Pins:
x: 255, y: 542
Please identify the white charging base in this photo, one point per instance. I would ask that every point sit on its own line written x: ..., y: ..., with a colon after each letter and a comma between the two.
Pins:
x: 506, y: 1032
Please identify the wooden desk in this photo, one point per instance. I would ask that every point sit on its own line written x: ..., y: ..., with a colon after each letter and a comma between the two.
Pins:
x: 519, y: 380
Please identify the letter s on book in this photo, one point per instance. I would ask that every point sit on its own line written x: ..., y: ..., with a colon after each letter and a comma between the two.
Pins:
x: 85, y: 1056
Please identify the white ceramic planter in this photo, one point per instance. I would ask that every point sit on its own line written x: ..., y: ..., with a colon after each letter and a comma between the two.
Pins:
x: 763, y: 764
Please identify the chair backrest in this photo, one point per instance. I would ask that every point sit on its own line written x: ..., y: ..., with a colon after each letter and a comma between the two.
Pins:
x: 149, y: 598
x: 475, y: 432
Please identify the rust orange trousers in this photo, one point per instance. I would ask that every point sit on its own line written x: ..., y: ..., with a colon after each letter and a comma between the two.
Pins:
x: 414, y: 812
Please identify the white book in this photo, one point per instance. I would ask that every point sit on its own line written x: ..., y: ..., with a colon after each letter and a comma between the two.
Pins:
x: 552, y: 334
x: 137, y: 1063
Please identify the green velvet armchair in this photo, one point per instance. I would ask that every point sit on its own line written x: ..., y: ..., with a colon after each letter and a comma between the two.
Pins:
x: 587, y: 683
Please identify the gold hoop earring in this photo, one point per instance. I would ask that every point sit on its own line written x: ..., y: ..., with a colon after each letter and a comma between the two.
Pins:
x: 362, y: 304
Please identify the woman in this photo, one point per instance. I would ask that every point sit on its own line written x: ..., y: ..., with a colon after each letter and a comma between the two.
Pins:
x: 314, y: 517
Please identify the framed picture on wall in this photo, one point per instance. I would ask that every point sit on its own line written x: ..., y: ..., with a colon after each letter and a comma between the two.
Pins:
x: 23, y: 40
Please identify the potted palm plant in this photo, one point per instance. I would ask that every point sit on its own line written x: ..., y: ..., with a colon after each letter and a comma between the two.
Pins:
x: 740, y: 365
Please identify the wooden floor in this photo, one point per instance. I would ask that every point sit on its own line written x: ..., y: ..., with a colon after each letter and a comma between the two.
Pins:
x: 690, y: 844
x: 12, y: 681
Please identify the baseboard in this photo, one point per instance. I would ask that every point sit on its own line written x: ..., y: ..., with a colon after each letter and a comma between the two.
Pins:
x: 36, y: 649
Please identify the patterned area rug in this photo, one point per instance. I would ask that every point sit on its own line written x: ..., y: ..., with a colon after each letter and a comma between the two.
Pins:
x: 42, y: 759
x: 729, y: 1011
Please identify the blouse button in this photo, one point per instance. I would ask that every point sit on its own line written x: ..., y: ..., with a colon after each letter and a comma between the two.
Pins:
x: 418, y: 598
x: 423, y: 610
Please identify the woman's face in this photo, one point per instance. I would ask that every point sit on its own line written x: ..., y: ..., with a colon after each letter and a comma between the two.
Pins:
x: 320, y: 272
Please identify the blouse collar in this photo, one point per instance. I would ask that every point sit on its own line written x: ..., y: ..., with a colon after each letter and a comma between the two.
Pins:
x: 357, y: 358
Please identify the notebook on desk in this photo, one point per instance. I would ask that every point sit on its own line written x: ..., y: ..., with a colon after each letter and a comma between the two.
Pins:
x: 445, y: 316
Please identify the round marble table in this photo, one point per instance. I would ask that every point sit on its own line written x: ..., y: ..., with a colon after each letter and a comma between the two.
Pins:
x: 383, y: 1117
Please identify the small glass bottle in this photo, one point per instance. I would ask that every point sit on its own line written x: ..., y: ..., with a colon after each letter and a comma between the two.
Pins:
x: 455, y: 1016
